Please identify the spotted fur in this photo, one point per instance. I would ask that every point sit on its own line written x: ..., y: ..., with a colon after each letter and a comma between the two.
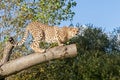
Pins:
x: 49, y: 34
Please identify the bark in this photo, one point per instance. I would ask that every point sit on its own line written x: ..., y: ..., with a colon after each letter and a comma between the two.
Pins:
x: 19, y: 64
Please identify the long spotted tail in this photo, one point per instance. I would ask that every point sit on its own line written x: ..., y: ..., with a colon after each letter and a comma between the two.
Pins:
x: 23, y: 39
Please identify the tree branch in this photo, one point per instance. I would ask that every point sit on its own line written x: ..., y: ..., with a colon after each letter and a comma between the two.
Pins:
x: 7, y: 50
x: 19, y: 64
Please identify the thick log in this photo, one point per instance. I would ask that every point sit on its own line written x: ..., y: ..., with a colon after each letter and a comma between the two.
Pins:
x: 24, y: 62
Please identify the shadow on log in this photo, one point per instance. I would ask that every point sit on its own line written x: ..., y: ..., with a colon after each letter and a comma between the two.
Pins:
x: 19, y: 64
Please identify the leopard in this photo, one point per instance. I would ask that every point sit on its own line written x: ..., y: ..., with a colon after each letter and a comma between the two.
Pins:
x: 50, y: 34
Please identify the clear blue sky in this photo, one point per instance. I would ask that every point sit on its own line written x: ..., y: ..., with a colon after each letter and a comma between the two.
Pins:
x: 101, y: 13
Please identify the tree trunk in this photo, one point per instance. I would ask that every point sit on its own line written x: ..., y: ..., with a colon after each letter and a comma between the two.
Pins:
x: 24, y: 62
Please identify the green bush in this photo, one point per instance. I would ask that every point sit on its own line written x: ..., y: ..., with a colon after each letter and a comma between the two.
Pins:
x: 92, y: 65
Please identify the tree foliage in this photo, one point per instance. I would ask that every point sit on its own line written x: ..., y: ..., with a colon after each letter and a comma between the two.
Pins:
x: 93, y: 39
x: 51, y: 12
x: 115, y: 40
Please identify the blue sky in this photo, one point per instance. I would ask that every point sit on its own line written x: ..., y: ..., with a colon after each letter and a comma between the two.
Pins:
x: 101, y: 13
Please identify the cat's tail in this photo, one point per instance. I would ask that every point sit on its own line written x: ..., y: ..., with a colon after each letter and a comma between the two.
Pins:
x: 24, y: 38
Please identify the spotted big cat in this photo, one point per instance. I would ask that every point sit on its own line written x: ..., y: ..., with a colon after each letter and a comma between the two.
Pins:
x: 50, y: 34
